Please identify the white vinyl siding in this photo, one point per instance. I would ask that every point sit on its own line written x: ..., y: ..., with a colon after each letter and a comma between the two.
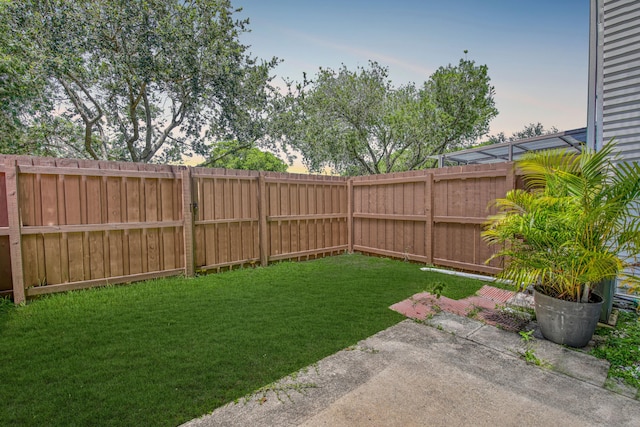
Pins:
x: 621, y: 76
x: 614, y: 79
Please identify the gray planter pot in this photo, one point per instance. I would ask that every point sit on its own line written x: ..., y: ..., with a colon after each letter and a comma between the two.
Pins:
x: 566, y: 322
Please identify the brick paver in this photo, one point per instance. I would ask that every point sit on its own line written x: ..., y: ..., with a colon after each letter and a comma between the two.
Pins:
x: 485, y: 306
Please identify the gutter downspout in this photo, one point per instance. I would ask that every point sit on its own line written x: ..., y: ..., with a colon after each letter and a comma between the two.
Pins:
x: 595, y: 86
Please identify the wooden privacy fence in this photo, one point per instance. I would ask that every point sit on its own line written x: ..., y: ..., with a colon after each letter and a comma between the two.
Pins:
x: 433, y: 216
x: 245, y: 217
x: 69, y: 224
x: 73, y: 224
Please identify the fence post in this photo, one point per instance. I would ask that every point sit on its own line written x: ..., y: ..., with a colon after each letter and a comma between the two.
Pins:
x: 510, y: 183
x: 188, y: 211
x: 262, y: 223
x: 15, y: 232
x: 428, y: 211
x: 350, y: 215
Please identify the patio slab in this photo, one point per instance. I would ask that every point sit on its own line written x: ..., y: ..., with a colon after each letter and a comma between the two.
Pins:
x: 574, y: 363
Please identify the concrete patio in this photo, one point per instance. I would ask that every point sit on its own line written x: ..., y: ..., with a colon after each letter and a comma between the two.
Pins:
x: 448, y: 370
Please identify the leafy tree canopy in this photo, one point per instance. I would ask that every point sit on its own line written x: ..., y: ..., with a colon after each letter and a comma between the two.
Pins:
x: 357, y: 122
x: 132, y: 80
x: 233, y: 155
x: 21, y: 89
x: 529, y: 131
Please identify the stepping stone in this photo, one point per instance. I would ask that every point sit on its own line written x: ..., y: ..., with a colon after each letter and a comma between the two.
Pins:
x: 500, y: 296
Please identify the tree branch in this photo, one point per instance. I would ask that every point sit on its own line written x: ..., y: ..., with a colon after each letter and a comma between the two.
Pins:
x: 360, y: 160
x: 83, y: 111
x: 176, y: 120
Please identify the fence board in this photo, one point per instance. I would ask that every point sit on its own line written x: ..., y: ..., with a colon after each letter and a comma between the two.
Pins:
x: 428, y: 229
x: 63, y: 287
x: 6, y: 284
x: 15, y: 244
x: 4, y: 216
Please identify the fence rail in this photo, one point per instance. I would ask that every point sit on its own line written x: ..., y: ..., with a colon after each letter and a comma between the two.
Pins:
x: 69, y: 224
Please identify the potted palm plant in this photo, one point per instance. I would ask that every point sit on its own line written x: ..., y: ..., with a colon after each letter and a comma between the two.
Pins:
x: 574, y: 226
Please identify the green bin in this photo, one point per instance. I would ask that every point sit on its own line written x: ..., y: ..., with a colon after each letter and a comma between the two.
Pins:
x: 606, y: 289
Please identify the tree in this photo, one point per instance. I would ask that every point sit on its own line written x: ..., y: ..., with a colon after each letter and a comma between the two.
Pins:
x: 20, y: 88
x: 141, y: 80
x: 458, y: 102
x: 531, y: 130
x: 228, y: 155
x: 356, y: 122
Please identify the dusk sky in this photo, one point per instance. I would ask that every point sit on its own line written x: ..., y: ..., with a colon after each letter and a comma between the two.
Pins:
x: 536, y: 51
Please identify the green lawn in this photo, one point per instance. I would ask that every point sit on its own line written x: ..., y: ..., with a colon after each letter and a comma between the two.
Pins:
x: 165, y: 351
x: 622, y: 349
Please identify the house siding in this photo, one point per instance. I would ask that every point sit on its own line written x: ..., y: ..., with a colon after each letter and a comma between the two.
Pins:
x: 620, y: 53
x: 614, y: 81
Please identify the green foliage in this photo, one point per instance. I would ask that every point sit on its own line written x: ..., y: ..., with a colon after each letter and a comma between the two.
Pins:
x: 166, y: 351
x: 529, y: 131
x: 530, y: 357
x: 622, y: 348
x: 233, y: 155
x: 136, y: 80
x: 436, y: 288
x: 356, y: 122
x: 526, y: 336
x: 575, y: 226
x: 529, y: 353
x: 21, y: 91
x: 457, y: 103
